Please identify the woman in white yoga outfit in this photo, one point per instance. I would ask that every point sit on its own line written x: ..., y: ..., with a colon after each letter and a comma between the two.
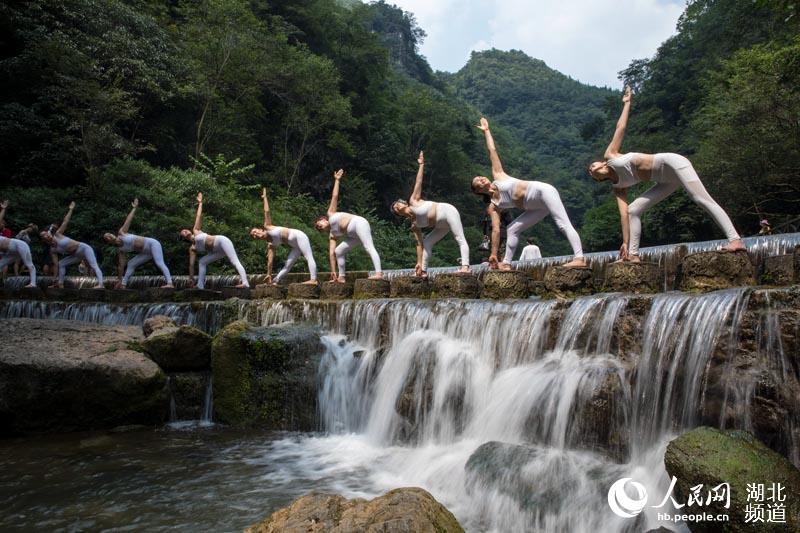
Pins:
x: 668, y: 171
x: 442, y: 217
x: 13, y: 250
x: 214, y: 246
x: 536, y: 198
x: 148, y: 249
x: 73, y: 251
x: 293, y: 238
x: 353, y: 228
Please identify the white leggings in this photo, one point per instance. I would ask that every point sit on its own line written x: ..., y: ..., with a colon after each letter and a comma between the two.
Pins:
x: 541, y: 199
x: 671, y: 171
x: 18, y: 250
x: 358, y: 233
x: 150, y: 251
x: 300, y: 245
x: 223, y: 247
x: 83, y: 253
x: 447, y: 219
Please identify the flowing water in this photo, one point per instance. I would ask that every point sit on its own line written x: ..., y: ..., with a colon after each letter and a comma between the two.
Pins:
x: 409, y: 390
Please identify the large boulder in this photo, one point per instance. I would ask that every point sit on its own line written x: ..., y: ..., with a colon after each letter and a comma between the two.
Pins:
x: 188, y: 395
x: 710, y: 271
x: 499, y: 284
x: 708, y: 457
x: 410, y: 287
x: 179, y: 348
x: 456, y: 285
x: 569, y: 282
x: 402, y: 510
x: 637, y: 278
x: 157, y: 322
x: 62, y: 375
x: 266, y: 376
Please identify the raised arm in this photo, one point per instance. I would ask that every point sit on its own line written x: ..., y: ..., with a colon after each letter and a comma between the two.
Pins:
x: 267, y: 216
x: 497, y: 167
x: 416, y: 195
x: 198, y: 218
x: 495, y: 217
x: 335, y: 194
x: 3, y: 207
x: 616, y: 143
x: 64, y: 223
x: 126, y: 226
x: 624, y: 220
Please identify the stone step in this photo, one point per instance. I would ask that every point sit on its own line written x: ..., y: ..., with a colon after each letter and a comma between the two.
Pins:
x: 710, y: 271
x: 456, y: 285
x: 243, y: 293
x: 567, y: 282
x: 331, y: 290
x: 267, y: 291
x: 637, y: 278
x: 779, y: 270
x: 194, y: 295
x: 158, y: 294
x: 123, y: 296
x: 61, y: 295
x: 365, y: 289
x: 505, y: 284
x: 304, y: 291
x: 410, y: 287
x: 93, y: 295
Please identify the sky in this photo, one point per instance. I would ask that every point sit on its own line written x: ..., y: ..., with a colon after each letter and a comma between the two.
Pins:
x: 589, y: 40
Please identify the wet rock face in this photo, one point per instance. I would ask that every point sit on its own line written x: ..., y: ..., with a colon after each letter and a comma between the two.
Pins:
x: 243, y: 293
x: 62, y: 375
x: 410, y: 287
x: 335, y: 291
x: 303, y: 291
x: 371, y: 288
x: 456, y: 286
x: 269, y: 291
x: 778, y: 270
x: 192, y: 295
x: 157, y: 322
x: 188, y: 391
x: 505, y: 284
x: 569, y: 282
x: 179, y: 348
x: 398, y: 511
x: 710, y: 271
x: 709, y: 457
x: 266, y: 376
x: 635, y: 278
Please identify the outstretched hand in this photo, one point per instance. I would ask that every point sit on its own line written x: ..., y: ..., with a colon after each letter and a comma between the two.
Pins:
x: 338, y: 174
x: 493, y: 262
x: 199, y: 198
x: 263, y: 193
x: 421, y: 158
x: 135, y: 203
x: 72, y: 205
x: 626, y: 94
x: 4, y: 204
x: 483, y: 125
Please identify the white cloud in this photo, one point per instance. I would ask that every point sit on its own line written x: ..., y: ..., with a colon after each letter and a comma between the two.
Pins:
x: 590, y: 40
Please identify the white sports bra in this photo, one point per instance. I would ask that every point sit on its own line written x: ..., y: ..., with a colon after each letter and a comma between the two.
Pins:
x: 275, y: 235
x: 200, y: 242
x: 334, y: 221
x: 128, y: 240
x: 422, y: 213
x: 506, y: 189
x: 62, y: 244
x: 626, y: 172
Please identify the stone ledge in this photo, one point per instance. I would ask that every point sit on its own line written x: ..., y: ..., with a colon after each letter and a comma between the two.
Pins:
x: 303, y: 291
x: 267, y: 291
x: 371, y: 288
x: 709, y: 271
x: 567, y: 282
x: 456, y: 285
x: 331, y: 290
x: 505, y: 284
x: 778, y: 270
x: 410, y: 287
x: 637, y: 278
x: 243, y: 293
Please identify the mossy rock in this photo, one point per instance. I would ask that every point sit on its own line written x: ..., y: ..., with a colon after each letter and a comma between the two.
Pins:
x: 778, y: 270
x: 568, y: 282
x: 266, y: 376
x: 197, y: 295
x: 505, y: 284
x: 92, y: 295
x: 335, y: 291
x: 456, y: 285
x: 638, y: 278
x: 268, y: 291
x: 179, y: 348
x: 710, y: 457
x: 304, y: 291
x: 61, y: 295
x: 123, y: 296
x: 158, y: 294
x: 710, y: 271
x: 28, y: 293
x: 365, y: 289
x: 188, y: 392
x: 410, y: 287
x: 242, y: 293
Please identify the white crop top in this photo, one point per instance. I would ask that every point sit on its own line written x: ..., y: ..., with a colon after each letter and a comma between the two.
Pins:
x: 422, y: 213
x: 128, y: 240
x: 62, y: 244
x: 334, y: 220
x: 506, y: 190
x: 200, y: 242
x: 626, y: 171
x: 275, y: 235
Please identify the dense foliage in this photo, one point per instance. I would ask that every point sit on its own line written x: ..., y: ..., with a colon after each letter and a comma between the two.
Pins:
x: 101, y: 101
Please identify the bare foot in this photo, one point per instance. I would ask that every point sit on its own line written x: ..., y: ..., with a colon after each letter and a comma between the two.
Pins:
x: 578, y: 262
x: 56, y: 286
x: 242, y: 286
x: 464, y: 269
x: 733, y: 246
x: 30, y: 286
x: 310, y: 282
x: 167, y: 286
x: 340, y: 279
x: 377, y: 275
x: 504, y: 266
x: 633, y: 259
x: 99, y: 286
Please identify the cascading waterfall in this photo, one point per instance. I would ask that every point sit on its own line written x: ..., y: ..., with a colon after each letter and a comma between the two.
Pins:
x: 416, y: 387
